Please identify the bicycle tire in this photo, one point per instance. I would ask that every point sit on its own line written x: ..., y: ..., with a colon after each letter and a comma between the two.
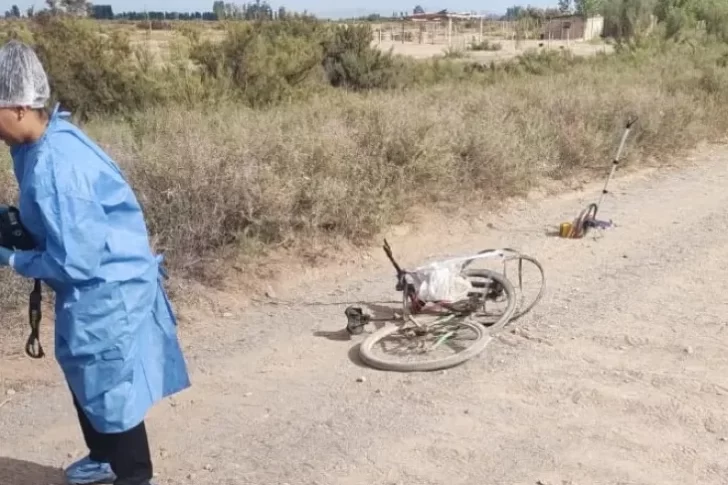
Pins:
x: 484, y: 335
x: 518, y: 255
x: 537, y: 264
x: 366, y: 354
x: 509, y: 290
x: 579, y: 227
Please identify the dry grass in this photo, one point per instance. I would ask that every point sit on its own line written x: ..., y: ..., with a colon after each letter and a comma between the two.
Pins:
x: 349, y: 165
x: 221, y: 181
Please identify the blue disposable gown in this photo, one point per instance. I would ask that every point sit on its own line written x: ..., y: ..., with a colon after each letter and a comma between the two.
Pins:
x: 116, y: 334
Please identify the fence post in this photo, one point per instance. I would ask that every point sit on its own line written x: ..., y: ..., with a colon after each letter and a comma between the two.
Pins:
x: 449, y: 31
x: 549, y: 27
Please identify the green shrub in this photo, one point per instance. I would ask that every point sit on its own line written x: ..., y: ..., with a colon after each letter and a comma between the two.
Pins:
x: 351, y: 62
x: 91, y: 72
x: 154, y: 25
x: 266, y: 63
x: 486, y: 45
x: 540, y: 62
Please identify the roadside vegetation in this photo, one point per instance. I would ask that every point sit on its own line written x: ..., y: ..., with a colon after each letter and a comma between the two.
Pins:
x: 291, y: 129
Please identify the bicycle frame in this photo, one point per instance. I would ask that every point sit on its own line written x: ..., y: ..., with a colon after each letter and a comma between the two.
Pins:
x: 412, y: 304
x: 404, y: 285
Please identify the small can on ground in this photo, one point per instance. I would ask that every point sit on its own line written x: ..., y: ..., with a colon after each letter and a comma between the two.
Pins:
x: 565, y: 229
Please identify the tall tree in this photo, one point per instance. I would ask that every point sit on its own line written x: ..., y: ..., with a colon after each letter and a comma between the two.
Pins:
x: 102, y: 12
x: 52, y: 6
x: 514, y: 12
x: 588, y: 8
x: 73, y: 7
x: 218, y: 8
x: 629, y: 19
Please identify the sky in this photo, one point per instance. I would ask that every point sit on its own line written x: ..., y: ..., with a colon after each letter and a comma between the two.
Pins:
x: 323, y: 8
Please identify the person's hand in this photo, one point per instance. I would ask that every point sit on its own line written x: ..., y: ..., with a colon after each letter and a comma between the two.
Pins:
x: 5, y: 255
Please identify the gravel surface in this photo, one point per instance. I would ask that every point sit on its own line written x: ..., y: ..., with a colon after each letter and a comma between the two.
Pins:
x: 619, y: 375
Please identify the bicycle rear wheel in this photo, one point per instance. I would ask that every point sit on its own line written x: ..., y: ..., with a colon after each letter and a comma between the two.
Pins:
x: 491, y: 288
x: 414, y: 338
x: 528, y: 295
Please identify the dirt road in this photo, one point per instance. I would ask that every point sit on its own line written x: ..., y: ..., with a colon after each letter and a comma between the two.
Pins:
x: 620, y: 375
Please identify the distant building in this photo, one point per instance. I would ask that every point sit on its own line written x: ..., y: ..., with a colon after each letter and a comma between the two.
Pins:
x: 573, y: 27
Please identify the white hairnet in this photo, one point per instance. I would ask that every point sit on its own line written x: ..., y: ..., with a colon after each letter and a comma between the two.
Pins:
x: 23, y: 81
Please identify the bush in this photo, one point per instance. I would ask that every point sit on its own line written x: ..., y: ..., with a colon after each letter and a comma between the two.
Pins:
x: 351, y: 62
x: 451, y: 52
x: 154, y: 25
x: 266, y: 62
x: 271, y: 62
x: 486, y: 45
x: 543, y: 62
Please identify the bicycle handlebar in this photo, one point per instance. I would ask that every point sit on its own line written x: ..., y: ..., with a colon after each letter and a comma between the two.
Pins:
x: 388, y: 251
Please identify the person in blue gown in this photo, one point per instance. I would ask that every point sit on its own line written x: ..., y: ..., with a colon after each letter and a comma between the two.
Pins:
x: 115, y: 331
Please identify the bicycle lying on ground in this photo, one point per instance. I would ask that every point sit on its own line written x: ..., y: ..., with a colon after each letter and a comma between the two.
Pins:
x: 457, y: 299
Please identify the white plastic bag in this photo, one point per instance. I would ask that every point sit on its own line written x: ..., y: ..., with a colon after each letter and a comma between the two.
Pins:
x: 441, y: 281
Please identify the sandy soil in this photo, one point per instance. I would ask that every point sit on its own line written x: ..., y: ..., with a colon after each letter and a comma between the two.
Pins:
x: 619, y: 376
x: 509, y: 49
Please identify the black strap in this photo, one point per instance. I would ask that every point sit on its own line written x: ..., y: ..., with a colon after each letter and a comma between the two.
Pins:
x: 33, y: 348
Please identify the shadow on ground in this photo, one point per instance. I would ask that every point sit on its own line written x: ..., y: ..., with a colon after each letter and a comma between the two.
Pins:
x: 20, y: 472
x: 355, y: 357
x: 552, y: 233
x: 380, y: 314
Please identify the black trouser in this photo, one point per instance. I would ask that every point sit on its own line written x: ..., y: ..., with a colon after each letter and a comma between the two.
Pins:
x: 127, y: 452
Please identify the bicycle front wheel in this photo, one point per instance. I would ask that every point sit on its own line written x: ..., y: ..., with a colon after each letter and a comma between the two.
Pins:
x: 426, y: 347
